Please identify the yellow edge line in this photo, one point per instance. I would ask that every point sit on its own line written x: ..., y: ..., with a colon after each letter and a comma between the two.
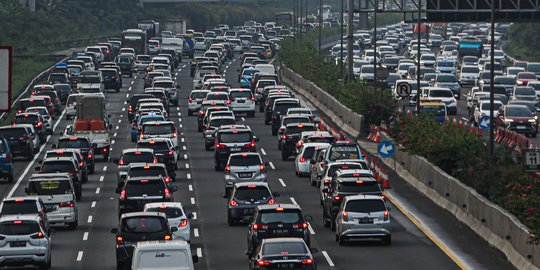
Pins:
x: 449, y: 253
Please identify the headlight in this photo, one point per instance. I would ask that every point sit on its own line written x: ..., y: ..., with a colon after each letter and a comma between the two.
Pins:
x: 532, y: 120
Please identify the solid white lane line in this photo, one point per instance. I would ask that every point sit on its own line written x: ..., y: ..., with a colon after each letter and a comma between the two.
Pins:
x: 104, y: 168
x: 184, y: 147
x: 327, y: 257
x: 89, y: 219
x: 263, y: 152
x: 272, y: 165
x: 101, y: 178
x: 294, y: 201
x: 98, y: 190
x: 192, y: 200
x: 85, y: 236
x: 196, y: 232
x: 199, y: 252
x: 190, y: 187
x: 79, y: 256
x: 93, y: 204
x: 282, y: 182
x: 30, y: 165
x: 188, y: 176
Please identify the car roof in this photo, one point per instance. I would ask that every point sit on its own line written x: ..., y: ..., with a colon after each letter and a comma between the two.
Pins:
x: 58, y: 159
x: 30, y: 198
x: 167, y: 204
x: 35, y: 218
x: 132, y: 150
x: 283, y: 239
x: 142, y: 214
x: 143, y: 164
x: 41, y: 176
x: 280, y: 205
x: 363, y: 197
x: 246, y: 184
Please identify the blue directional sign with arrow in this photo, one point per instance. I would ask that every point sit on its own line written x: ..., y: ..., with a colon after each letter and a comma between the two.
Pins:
x: 386, y: 149
x: 484, y: 122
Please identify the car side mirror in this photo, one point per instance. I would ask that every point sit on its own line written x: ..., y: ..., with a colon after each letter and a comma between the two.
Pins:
x: 37, y: 168
x: 308, y: 218
x: 276, y: 194
x: 195, y: 258
x: 114, y: 230
x: 174, y: 229
x: 314, y: 250
x: 190, y: 216
x: 116, y: 161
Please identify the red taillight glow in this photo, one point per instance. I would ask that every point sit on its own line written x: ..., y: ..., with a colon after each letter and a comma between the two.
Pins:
x: 302, y: 159
x: 67, y: 204
x: 262, y: 263
x: 261, y: 167
x: 119, y: 240
x: 122, y: 162
x: 38, y: 235
x: 167, y: 192
x: 123, y: 194
x: 228, y: 168
x: 219, y: 145
x: 233, y: 203
x: 336, y: 198
x: 307, y: 261
x: 190, y: 99
x: 257, y: 227
x: 251, y: 144
x: 183, y: 223
x: 386, y: 215
x: 168, y: 237
x: 271, y: 201
x: 345, y: 216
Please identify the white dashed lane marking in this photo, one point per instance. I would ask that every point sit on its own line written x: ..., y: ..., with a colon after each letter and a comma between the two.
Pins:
x: 85, y: 236
x: 192, y: 200
x: 196, y: 232
x: 93, y: 204
x: 190, y: 187
x: 79, y: 256
x: 271, y: 165
x: 282, y: 182
x: 263, y: 152
x: 330, y: 262
x: 89, y: 219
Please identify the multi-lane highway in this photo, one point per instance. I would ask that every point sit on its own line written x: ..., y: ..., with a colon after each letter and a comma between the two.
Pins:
x: 92, y: 246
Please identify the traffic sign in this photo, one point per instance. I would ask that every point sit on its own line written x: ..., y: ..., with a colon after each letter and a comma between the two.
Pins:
x: 5, y: 79
x: 531, y: 159
x: 484, y: 122
x: 386, y: 149
x: 403, y: 89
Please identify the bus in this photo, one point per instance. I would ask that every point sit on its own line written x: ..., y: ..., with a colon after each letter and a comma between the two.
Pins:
x: 470, y: 46
x: 136, y: 39
x: 285, y: 18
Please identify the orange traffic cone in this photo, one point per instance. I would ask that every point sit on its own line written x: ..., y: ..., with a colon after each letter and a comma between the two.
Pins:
x: 386, y: 182
x: 377, y: 137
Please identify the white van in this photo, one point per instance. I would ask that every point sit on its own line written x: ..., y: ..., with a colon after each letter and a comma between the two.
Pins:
x: 163, y: 255
x: 266, y: 69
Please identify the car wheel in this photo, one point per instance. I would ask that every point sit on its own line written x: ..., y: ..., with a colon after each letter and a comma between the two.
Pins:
x: 175, y: 166
x: 341, y: 240
x: 274, y: 132
x: 131, y: 75
x: 207, y: 147
x: 333, y: 226
x: 325, y: 221
x: 387, y: 240
x: 199, y: 128
x: 119, y: 266
x: 266, y: 122
x: 189, y: 113
x: 251, y: 114
x: 230, y: 220
x: 73, y: 225
x: 106, y: 157
x: 46, y: 265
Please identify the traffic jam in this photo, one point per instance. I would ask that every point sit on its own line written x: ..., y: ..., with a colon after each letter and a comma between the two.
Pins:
x: 117, y: 117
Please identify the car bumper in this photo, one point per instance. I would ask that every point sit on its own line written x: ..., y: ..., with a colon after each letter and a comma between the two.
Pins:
x: 364, y: 231
x: 7, y: 169
x: 303, y: 167
x: 58, y: 217
x: 243, y: 108
x: 243, y: 213
x: 183, y: 233
x: 35, y: 255
x: 231, y: 180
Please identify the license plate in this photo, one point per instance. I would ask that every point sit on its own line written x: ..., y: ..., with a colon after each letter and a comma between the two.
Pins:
x: 244, y: 174
x: 281, y: 231
x: 235, y: 149
x: 241, y: 101
x: 50, y: 207
x: 285, y: 265
x: 365, y: 220
x: 521, y: 127
x: 17, y: 244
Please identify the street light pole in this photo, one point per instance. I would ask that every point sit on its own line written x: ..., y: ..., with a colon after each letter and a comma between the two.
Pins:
x: 320, y: 25
x: 418, y: 30
x: 350, y: 41
x: 341, y: 42
x: 491, y: 93
x: 375, y: 46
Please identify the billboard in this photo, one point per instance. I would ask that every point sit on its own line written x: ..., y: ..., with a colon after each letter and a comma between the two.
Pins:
x: 5, y: 79
x: 480, y: 10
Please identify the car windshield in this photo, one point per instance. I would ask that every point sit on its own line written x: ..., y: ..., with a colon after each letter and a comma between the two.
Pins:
x: 16, y: 207
x: 159, y: 129
x: 505, y: 80
x: 170, y: 212
x: 73, y: 144
x: 525, y: 91
x: 365, y: 206
x: 49, y: 187
x: 19, y: 228
x: 254, y: 193
x: 89, y: 79
x: 446, y: 78
x: 344, y: 152
x: 142, y: 157
x: 142, y: 225
x: 297, y: 130
x: 230, y: 137
x: 487, y: 106
x: 281, y: 217
x: 31, y: 119
x: 440, y: 93
x: 198, y: 95
x: 518, y: 111
x: 360, y: 186
x: 284, y: 248
x: 295, y: 120
x: 135, y: 188
x: 150, y: 171
x: 58, y: 166
x: 308, y: 152
x: 247, y: 160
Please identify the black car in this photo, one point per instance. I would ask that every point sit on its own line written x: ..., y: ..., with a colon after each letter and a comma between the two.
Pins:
x: 64, y: 165
x: 83, y: 144
x: 280, y: 108
x: 63, y: 90
x: 34, y: 119
x: 283, y: 253
x: 137, y: 191
x: 291, y: 136
x: 111, y: 79
x: 204, y: 106
x: 132, y: 107
x: 20, y: 141
x: 269, y: 104
x: 146, y: 170
x: 279, y: 220
x: 126, y: 64
x: 230, y: 141
x: 245, y: 197
x: 164, y: 150
x: 135, y: 227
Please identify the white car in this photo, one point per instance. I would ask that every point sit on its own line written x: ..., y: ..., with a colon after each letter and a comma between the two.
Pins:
x: 469, y: 74
x: 195, y: 100
x: 176, y: 216
x: 242, y: 100
x: 483, y: 110
x: 47, y: 119
x: 302, y: 163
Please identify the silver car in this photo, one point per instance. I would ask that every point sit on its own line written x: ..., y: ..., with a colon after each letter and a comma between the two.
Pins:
x: 244, y: 167
x: 363, y: 216
x: 133, y: 155
x: 24, y: 241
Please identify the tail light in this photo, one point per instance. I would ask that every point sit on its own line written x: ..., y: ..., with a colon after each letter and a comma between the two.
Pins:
x: 90, y: 155
x: 233, y: 203
x: 130, y: 108
x: 190, y: 99
x: 38, y: 235
x: 167, y: 179
x: 171, y: 152
x: 345, y: 216
x: 19, y: 111
x: 167, y: 193
x: 257, y: 227
x: 81, y: 163
x: 307, y: 261
x: 168, y: 237
x: 123, y: 194
x: 154, y: 161
x: 201, y: 113
x: 183, y: 223
x: 105, y: 149
x: 122, y: 162
x: 67, y: 205
x: 56, y: 99
x: 251, y: 144
x: 304, y: 226
x: 24, y: 138
x: 253, y: 99
x: 228, y: 168
x: 261, y: 167
x: 271, y: 201
x: 262, y: 263
x: 302, y: 159
x: 219, y: 145
x: 281, y: 130
x: 284, y: 137
x: 174, y: 135
x: 336, y: 198
x: 228, y: 101
x: 299, y: 144
x: 119, y: 240
x: 142, y: 136
x: 8, y: 157
x: 386, y: 215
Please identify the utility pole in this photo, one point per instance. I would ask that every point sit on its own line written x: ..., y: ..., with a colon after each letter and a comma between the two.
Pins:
x: 350, y: 41
x: 491, y: 93
x: 418, y: 30
x: 320, y: 26
x: 341, y: 41
x: 295, y: 19
x: 375, y: 46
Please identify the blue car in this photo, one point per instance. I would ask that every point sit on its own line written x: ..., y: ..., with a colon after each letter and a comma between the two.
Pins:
x: 247, y: 75
x: 136, y: 127
x: 6, y: 161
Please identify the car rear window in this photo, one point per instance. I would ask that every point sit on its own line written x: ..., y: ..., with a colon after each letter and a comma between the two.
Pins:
x: 255, y: 193
x: 365, y: 206
x: 109, y: 72
x: 157, y: 146
x: 58, y: 166
x: 19, y: 207
x: 32, y: 103
x: 359, y: 187
x: 248, y: 160
x: 295, y: 120
x: 151, y: 171
x: 282, y: 108
x: 19, y: 227
x: 12, y: 132
x: 344, y: 152
x: 164, y: 84
x: 144, y: 157
x: 284, y: 217
x: 145, y: 187
x: 135, y: 99
x: 73, y: 144
x: 143, y: 225
x: 229, y: 137
x: 198, y: 95
x: 89, y: 79
x: 30, y: 119
x: 241, y: 94
x: 159, y: 129
x: 170, y: 212
x: 49, y: 187
x: 308, y: 152
x: 298, y: 130
x: 213, y: 96
x: 285, y: 248
x: 222, y: 121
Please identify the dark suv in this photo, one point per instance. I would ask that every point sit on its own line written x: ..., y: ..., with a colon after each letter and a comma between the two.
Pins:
x: 291, y: 136
x: 83, y: 144
x: 126, y: 64
x: 345, y: 183
x: 280, y: 108
x: 34, y: 119
x: 20, y: 141
x: 6, y: 161
x: 132, y: 107
x: 146, y: 170
x: 135, y: 227
x: 137, y: 191
x: 279, y: 220
x: 64, y: 165
x: 164, y: 150
x: 111, y: 79
x: 230, y: 141
x: 245, y: 197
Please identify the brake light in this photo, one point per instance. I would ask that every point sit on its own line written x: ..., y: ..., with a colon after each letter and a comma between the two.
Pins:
x: 233, y: 203
x: 262, y: 263
x: 19, y: 200
x: 171, y: 152
x: 228, y: 101
x: 119, y: 240
x: 81, y: 163
x: 345, y: 216
x: 24, y: 138
x: 56, y: 99
x: 302, y: 159
x: 183, y: 223
x: 167, y: 237
x: 253, y: 98
x: 299, y: 143
x: 359, y: 182
x: 38, y: 235
x: 130, y: 108
x: 190, y: 99
x: 90, y: 155
x: 67, y: 204
x: 228, y: 168
x: 279, y: 209
x: 281, y: 129
x: 105, y: 149
x: 251, y: 144
x: 386, y: 215
x: 307, y: 261
x: 73, y: 138
x: 154, y: 161
x: 167, y: 193
x: 261, y: 167
x: 123, y: 194
x: 219, y: 145
x: 201, y: 112
x: 336, y: 198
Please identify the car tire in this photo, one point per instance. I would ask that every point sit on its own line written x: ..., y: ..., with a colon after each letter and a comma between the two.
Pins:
x: 119, y: 266
x: 118, y: 90
x: 73, y: 225
x: 333, y: 226
x: 284, y: 156
x: 216, y: 167
x: 199, y: 128
x: 266, y: 122
x: 387, y: 240
x: 274, y: 132
x: 207, y: 147
x: 230, y: 220
x: 326, y: 223
x: 341, y: 240
x: 189, y: 113
x: 46, y: 265
x: 106, y: 157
